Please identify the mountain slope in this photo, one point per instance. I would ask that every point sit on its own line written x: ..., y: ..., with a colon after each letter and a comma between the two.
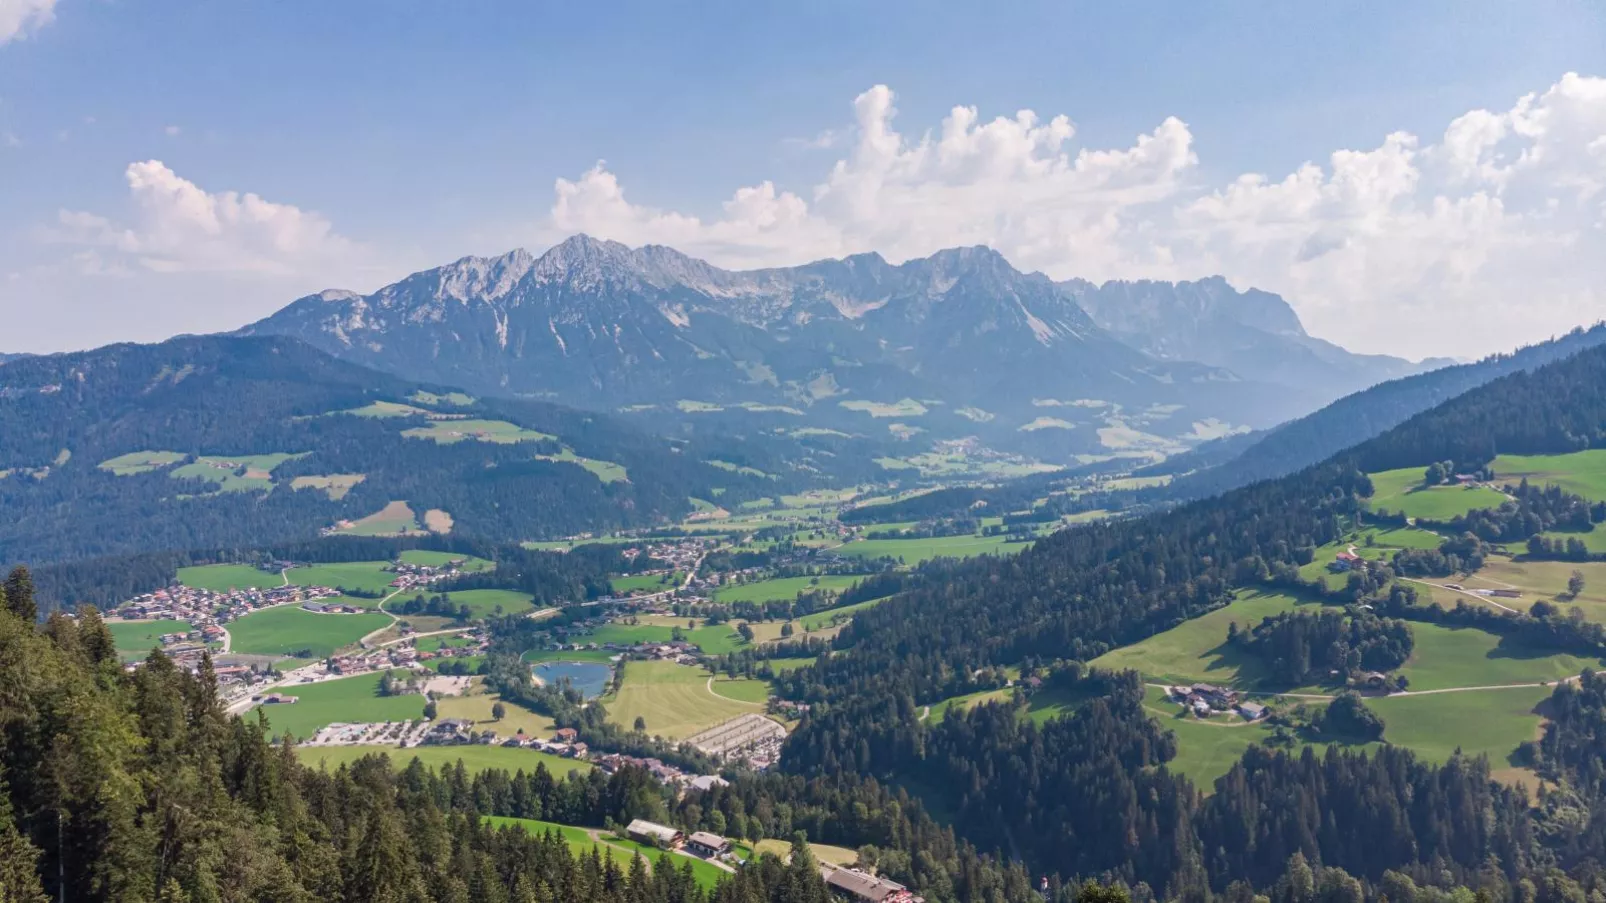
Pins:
x: 211, y: 442
x: 983, y: 347
x: 1366, y: 414
x: 1255, y: 334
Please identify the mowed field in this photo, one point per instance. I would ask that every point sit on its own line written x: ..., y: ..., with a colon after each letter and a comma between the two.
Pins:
x: 428, y: 558
x: 915, y: 551
x: 1582, y: 473
x: 138, y: 637
x: 474, y: 758
x: 348, y: 699
x: 233, y: 473
x: 784, y: 589
x: 448, y: 432
x: 1544, y: 581
x: 476, y: 706
x: 483, y: 603
x: 651, y: 583
x: 1434, y: 726
x: 223, y: 577
x: 141, y: 462
x: 292, y: 630
x: 606, y: 471
x: 1444, y: 657
x: 395, y: 519
x: 334, y: 485
x: 1197, y: 650
x: 674, y: 700
x: 1402, y: 491
x: 363, y: 576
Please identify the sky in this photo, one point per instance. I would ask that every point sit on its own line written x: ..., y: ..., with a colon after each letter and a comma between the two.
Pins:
x: 1421, y: 179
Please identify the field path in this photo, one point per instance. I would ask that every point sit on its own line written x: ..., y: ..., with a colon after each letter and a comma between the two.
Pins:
x: 1462, y: 592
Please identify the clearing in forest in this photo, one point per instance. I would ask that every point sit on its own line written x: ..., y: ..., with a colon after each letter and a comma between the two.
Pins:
x: 334, y: 485
x: 447, y: 432
x: 1582, y: 473
x: 141, y: 462
x: 395, y: 519
x: 1402, y: 492
x: 234, y: 473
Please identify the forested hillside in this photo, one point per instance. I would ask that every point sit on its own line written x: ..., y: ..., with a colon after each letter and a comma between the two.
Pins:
x: 1360, y: 416
x: 233, y: 442
x: 1087, y: 589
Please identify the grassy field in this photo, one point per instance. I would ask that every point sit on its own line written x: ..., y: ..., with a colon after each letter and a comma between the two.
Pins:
x: 500, y: 432
x: 965, y: 702
x: 474, y: 758
x: 223, y: 577
x: 742, y: 690
x: 1196, y: 650
x: 651, y: 583
x: 456, y: 399
x: 482, y: 603
x: 349, y: 699
x: 141, y: 462
x: 1467, y: 657
x: 783, y: 589
x: 606, y: 471
x: 437, y: 643
x: 291, y: 630
x: 397, y: 518
x: 715, y: 640
x: 426, y: 558
x: 139, y: 636
x: 906, y: 407
x: 385, y: 409
x: 1399, y: 538
x: 673, y: 699
x: 1544, y: 580
x: 1582, y: 473
x: 822, y: 619
x: 822, y: 852
x: 363, y: 576
x: 915, y: 551
x: 1402, y: 491
x: 334, y: 485
x: 233, y: 473
x: 476, y: 707
x: 1482, y: 721
x: 1594, y: 540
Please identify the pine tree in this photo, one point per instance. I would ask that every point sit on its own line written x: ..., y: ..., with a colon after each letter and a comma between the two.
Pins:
x: 19, y: 594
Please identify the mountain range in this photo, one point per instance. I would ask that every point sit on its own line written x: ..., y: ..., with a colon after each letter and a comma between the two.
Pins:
x: 958, y: 343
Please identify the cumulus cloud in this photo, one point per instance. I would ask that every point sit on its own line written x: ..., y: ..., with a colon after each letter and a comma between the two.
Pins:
x: 1492, y: 232
x: 21, y: 18
x: 179, y: 227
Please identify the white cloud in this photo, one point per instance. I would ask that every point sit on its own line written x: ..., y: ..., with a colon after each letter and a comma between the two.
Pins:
x: 1491, y: 233
x: 21, y: 18
x: 173, y: 131
x: 179, y: 227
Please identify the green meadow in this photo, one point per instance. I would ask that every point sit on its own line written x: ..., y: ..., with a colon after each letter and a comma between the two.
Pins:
x: 223, y: 577
x: 1490, y: 722
x: 291, y: 630
x: 363, y: 576
x: 141, y: 462
x: 783, y: 589
x: 1197, y: 650
x: 474, y: 758
x: 345, y: 700
x: 483, y: 603
x: 1401, y: 491
x: 233, y: 473
x: 1582, y: 473
x: 715, y: 640
x: 448, y: 432
x: 138, y: 637
x: 427, y: 558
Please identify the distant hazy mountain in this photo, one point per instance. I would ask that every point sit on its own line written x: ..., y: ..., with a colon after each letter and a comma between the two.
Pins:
x: 971, y: 343
x: 1359, y: 417
x: 1255, y: 334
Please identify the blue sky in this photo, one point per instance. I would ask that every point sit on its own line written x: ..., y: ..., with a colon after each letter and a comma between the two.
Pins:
x: 390, y: 136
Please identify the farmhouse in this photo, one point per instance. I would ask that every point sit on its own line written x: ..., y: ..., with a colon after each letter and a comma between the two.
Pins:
x: 707, y: 845
x: 1252, y: 710
x: 1217, y: 697
x: 647, y: 832
x: 853, y: 884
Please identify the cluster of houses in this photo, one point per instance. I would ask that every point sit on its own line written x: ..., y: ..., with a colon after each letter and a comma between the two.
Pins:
x: 412, y: 576
x: 1205, y: 700
x: 205, y: 608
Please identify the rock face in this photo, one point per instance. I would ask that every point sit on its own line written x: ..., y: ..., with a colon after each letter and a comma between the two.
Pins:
x: 1255, y: 334
x: 599, y: 324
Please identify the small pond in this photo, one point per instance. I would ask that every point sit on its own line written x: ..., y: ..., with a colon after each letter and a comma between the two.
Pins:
x: 590, y: 678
